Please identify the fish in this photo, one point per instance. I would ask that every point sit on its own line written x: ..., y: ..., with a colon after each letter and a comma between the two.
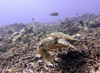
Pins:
x: 54, y: 14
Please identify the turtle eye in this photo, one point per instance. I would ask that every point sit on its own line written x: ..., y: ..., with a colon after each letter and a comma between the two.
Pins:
x: 40, y: 45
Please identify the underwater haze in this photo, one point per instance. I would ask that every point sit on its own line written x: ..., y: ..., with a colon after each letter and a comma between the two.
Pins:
x: 24, y: 11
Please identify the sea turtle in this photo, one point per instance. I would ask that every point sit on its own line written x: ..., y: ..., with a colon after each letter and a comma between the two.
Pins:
x: 53, y: 41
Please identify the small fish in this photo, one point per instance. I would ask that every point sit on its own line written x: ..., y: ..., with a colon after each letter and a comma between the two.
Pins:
x: 32, y: 19
x: 76, y: 14
x: 54, y: 14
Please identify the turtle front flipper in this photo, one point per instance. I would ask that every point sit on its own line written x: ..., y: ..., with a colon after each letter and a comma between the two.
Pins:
x: 45, y: 54
x: 66, y: 44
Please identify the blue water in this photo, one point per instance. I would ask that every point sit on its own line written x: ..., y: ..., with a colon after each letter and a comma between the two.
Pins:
x: 12, y: 11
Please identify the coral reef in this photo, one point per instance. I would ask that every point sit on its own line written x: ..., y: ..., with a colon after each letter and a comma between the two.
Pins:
x: 25, y: 56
